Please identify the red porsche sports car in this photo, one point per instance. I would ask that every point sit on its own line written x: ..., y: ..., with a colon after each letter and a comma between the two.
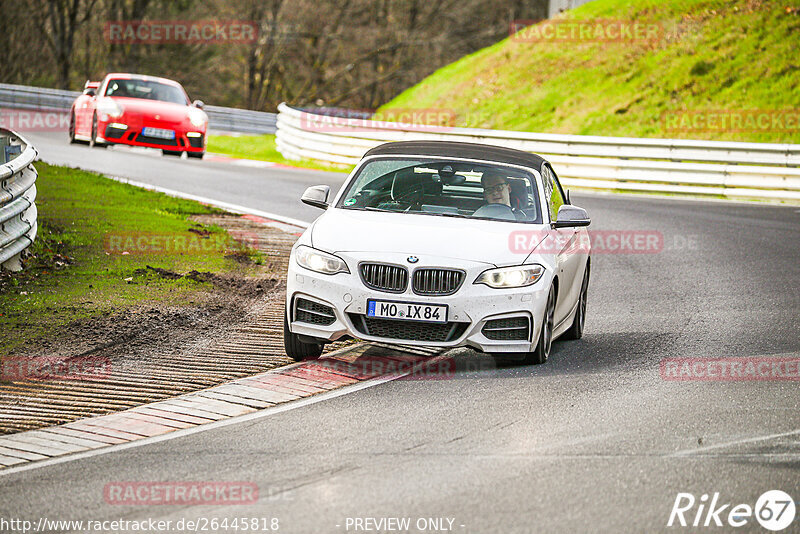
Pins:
x: 131, y: 109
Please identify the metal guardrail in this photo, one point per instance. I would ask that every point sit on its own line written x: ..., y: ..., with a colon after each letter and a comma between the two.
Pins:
x: 727, y: 169
x: 17, y: 196
x: 241, y: 120
x: 37, y: 98
x: 58, y: 100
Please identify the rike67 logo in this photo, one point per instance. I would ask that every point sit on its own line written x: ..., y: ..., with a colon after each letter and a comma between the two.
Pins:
x: 774, y: 510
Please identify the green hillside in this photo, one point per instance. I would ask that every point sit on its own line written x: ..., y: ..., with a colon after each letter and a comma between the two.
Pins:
x: 710, y: 62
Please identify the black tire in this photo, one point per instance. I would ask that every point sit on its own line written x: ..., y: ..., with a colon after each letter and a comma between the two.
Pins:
x: 198, y: 155
x: 542, y: 350
x: 296, y: 349
x: 172, y: 153
x: 72, y: 139
x: 93, y: 141
x: 576, y: 330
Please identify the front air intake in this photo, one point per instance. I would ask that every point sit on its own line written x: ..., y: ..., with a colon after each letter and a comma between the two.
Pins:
x: 393, y: 329
x: 306, y: 311
x: 511, y: 329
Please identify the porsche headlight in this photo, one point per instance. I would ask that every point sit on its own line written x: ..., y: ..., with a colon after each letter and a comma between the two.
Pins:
x: 197, y: 117
x: 320, y: 262
x: 520, y: 276
x: 107, y: 106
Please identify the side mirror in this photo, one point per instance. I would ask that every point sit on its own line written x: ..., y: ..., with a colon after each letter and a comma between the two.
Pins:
x: 570, y: 216
x: 317, y: 196
x: 198, y: 104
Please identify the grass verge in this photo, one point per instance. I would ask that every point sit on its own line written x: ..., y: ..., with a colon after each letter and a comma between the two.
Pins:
x: 104, y: 247
x: 263, y: 148
x: 712, y: 61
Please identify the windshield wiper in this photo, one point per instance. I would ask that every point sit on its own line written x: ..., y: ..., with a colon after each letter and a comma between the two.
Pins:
x: 457, y: 215
x: 363, y: 208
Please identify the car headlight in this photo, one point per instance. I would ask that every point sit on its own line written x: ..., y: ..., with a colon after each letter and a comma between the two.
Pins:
x: 197, y: 117
x: 520, y: 276
x: 108, y: 106
x: 320, y: 262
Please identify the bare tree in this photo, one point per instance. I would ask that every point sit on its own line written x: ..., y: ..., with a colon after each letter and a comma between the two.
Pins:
x: 348, y: 53
x: 59, y: 21
x: 126, y: 56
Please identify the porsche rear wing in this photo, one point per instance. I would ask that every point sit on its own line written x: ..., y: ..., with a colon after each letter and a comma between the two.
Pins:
x: 90, y: 86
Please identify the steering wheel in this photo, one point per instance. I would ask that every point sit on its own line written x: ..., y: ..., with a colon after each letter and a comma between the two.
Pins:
x: 495, y: 211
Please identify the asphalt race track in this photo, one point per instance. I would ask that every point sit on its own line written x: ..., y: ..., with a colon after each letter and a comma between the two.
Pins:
x: 274, y: 190
x: 595, y: 440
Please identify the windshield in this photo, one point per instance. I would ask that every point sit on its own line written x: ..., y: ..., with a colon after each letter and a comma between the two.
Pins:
x: 444, y: 188
x: 148, y: 90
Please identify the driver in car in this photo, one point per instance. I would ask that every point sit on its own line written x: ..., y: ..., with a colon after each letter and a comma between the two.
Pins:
x: 496, y: 189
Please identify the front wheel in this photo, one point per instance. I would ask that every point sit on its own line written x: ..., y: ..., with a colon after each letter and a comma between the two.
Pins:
x: 172, y: 153
x: 542, y: 350
x: 297, y: 349
x: 93, y: 141
x: 198, y: 155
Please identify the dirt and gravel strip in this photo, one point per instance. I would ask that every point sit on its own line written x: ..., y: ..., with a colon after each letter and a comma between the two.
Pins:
x: 153, y: 353
x: 245, y: 396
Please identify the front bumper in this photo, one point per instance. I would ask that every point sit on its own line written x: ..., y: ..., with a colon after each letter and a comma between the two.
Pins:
x: 469, y: 309
x: 131, y: 134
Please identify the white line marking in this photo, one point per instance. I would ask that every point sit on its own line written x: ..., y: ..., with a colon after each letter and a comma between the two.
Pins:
x: 689, y: 452
x: 207, y: 426
x: 234, y: 208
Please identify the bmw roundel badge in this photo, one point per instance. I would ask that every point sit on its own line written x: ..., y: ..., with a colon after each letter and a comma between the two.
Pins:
x: 413, y: 259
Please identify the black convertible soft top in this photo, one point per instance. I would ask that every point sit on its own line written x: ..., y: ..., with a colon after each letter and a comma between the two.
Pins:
x: 452, y: 149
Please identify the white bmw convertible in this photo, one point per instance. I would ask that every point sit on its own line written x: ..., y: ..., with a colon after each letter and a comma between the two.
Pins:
x: 441, y: 244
